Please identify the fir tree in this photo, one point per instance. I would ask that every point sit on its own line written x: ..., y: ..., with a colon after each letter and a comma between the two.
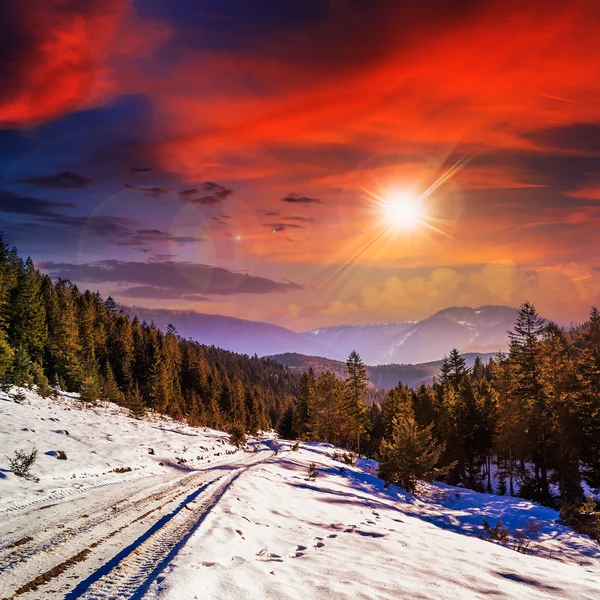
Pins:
x: 356, y: 386
x: 90, y: 391
x: 410, y: 454
x: 135, y: 402
x: 110, y: 388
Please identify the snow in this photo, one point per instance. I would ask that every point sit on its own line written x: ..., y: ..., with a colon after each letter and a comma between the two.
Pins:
x: 96, y: 440
x: 251, y: 524
x: 278, y: 535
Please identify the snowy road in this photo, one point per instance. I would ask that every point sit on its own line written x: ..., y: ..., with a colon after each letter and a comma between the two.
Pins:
x: 109, y: 542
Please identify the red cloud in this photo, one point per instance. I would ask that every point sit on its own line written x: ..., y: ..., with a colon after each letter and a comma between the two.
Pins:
x: 58, y: 55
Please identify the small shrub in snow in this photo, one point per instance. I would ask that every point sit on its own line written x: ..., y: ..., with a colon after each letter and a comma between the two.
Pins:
x: 61, y: 455
x: 150, y: 450
x: 497, y: 533
x: 22, y: 462
x: 19, y: 397
x: 348, y: 458
x: 122, y: 470
x: 523, y: 535
x: 45, y: 390
x: 312, y: 472
x: 295, y: 447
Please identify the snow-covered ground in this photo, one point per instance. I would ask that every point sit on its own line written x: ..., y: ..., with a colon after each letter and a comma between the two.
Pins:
x: 249, y: 524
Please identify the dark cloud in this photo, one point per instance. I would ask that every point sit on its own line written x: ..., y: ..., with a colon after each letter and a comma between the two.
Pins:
x: 209, y: 193
x: 297, y: 199
x: 269, y: 213
x: 582, y: 137
x: 10, y: 202
x: 149, y: 236
x: 151, y: 192
x: 159, y: 293
x: 222, y: 219
x: 100, y: 225
x: 277, y: 227
x: 300, y: 219
x: 134, y: 170
x: 182, y: 278
x: 63, y: 180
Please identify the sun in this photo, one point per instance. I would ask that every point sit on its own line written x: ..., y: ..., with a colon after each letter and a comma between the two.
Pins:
x: 403, y: 211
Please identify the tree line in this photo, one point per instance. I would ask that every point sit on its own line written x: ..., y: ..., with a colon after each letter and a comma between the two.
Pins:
x: 52, y: 334
x: 527, y: 422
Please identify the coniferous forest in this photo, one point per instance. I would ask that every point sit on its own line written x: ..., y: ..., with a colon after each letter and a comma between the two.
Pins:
x: 52, y: 334
x: 527, y: 422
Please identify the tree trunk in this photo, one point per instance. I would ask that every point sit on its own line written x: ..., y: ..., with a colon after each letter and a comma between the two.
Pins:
x: 510, y: 471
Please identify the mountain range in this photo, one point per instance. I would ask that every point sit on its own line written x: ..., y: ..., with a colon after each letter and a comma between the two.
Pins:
x: 471, y: 330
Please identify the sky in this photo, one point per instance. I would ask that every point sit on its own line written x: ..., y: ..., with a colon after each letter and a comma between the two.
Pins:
x: 309, y: 162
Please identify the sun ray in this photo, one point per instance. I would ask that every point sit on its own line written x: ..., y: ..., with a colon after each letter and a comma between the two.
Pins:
x: 409, y: 212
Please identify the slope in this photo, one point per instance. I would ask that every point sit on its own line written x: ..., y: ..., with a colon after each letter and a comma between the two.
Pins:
x: 213, y: 522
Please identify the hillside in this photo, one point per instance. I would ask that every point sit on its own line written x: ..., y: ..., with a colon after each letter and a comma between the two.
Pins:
x: 196, y: 518
x: 382, y: 377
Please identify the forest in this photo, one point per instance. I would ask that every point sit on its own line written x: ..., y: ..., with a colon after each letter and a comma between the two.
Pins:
x: 525, y: 423
x: 52, y: 334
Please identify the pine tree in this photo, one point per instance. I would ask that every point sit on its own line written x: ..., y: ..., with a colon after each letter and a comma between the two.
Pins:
x: 135, y: 402
x: 410, y: 454
x: 511, y: 425
x: 110, y: 388
x: 524, y: 359
x: 64, y: 347
x: 27, y: 329
x: 356, y: 386
x: 90, y: 391
x: 306, y: 392
x: 327, y: 416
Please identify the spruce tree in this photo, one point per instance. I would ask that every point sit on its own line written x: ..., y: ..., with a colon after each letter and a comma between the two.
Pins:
x: 90, y: 391
x: 110, y: 388
x: 135, y: 402
x: 27, y: 328
x: 559, y: 387
x: 356, y: 386
x: 524, y: 359
x: 410, y: 453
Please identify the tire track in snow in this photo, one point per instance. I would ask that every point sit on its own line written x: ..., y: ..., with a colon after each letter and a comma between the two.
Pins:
x: 133, y: 566
x: 13, y: 556
x: 130, y: 573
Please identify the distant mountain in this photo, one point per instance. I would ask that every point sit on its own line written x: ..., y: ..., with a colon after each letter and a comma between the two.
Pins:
x: 237, y: 335
x: 383, y: 377
x: 479, y: 330
x: 483, y: 329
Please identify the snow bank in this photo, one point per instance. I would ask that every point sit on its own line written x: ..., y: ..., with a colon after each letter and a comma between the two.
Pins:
x: 101, y: 444
x: 277, y: 534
